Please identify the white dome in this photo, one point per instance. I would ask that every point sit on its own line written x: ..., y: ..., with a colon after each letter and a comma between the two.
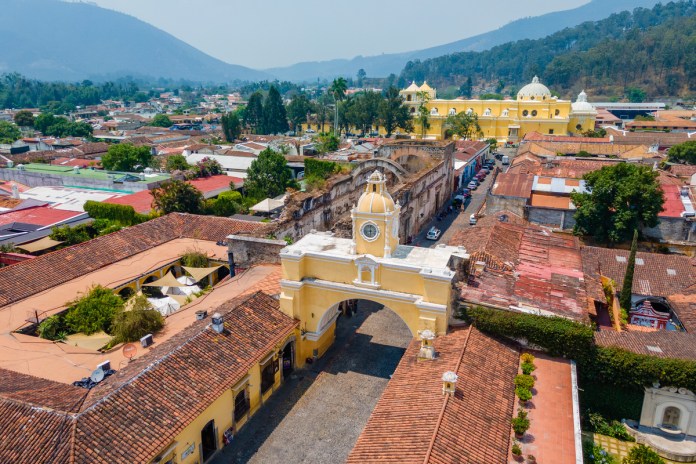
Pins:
x: 534, y: 91
x: 582, y: 105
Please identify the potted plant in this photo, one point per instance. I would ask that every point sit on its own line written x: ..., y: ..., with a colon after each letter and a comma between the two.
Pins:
x: 528, y: 368
x: 531, y: 459
x: 524, y: 381
x: 520, y: 424
x: 523, y: 394
x: 517, y: 452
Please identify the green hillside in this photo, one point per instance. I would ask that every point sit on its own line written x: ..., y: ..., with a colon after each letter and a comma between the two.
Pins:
x: 649, y: 48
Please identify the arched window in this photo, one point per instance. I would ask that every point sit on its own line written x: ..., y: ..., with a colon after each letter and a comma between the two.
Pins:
x: 506, y: 113
x: 488, y: 112
x: 525, y: 113
x: 557, y: 112
x: 413, y: 110
x: 434, y: 112
x: 452, y: 111
x: 671, y: 417
x: 532, y: 97
x: 578, y: 127
x: 470, y: 111
x: 408, y: 98
x: 534, y: 113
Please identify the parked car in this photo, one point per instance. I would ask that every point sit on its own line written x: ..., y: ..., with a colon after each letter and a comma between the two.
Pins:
x: 472, y: 220
x: 472, y: 185
x: 466, y: 193
x: 506, y: 160
x: 433, y: 234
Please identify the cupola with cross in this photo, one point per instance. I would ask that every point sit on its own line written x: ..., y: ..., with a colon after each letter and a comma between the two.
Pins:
x: 376, y: 219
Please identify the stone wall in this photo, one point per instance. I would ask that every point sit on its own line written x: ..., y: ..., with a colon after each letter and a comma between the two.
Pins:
x: 249, y: 251
x: 497, y: 203
x: 562, y: 219
x: 673, y: 230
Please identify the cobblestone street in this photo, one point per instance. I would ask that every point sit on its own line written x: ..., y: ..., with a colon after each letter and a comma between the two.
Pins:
x: 318, y: 414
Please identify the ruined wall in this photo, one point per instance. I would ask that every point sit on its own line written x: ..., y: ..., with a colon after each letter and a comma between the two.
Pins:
x: 420, y: 194
x: 249, y: 251
x: 497, y: 203
x: 672, y: 230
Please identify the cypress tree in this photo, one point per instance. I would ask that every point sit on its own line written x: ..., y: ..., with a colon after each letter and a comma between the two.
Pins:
x: 253, y: 117
x: 274, y: 115
x: 627, y: 288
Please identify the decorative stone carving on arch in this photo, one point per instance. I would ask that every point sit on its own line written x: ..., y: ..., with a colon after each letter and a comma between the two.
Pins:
x: 366, y: 168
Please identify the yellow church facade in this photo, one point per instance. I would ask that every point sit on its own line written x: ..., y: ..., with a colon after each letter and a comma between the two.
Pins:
x: 321, y: 272
x: 534, y: 110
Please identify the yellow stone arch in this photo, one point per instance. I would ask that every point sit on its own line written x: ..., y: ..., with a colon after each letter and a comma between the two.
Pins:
x: 320, y: 271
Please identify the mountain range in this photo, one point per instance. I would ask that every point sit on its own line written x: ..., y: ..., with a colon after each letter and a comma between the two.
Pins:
x: 54, y: 40
x: 526, y: 28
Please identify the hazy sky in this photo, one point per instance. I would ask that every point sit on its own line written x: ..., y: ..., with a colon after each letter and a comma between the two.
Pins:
x: 268, y: 33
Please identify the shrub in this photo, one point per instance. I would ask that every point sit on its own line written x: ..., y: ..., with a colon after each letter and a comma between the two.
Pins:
x: 561, y: 337
x: 131, y: 326
x: 595, y: 454
x: 516, y: 450
x: 520, y: 424
x: 523, y: 394
x: 320, y: 169
x: 528, y: 368
x: 524, y: 381
x: 527, y: 358
x: 641, y: 454
x: 612, y: 403
x: 123, y: 214
x: 194, y: 258
x: 94, y: 311
x: 53, y: 328
x: 615, y: 429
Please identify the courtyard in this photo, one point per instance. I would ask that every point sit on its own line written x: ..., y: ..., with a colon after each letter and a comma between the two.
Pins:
x: 318, y: 413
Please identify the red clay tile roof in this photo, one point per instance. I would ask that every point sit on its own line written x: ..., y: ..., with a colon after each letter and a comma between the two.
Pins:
x: 662, y: 343
x: 563, y: 168
x: 525, y: 265
x: 140, y: 201
x: 682, y: 170
x: 414, y: 422
x: 685, y: 308
x: 214, y: 183
x: 150, y: 401
x: 537, y: 137
x: 659, y: 275
x: 49, y: 270
x: 38, y: 215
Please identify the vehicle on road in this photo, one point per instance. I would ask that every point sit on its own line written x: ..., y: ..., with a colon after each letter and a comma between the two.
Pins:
x: 433, y: 234
x: 472, y: 185
x: 472, y: 220
x: 466, y: 193
x: 505, y: 160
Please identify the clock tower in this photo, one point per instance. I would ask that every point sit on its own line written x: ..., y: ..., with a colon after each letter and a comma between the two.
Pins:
x: 375, y: 220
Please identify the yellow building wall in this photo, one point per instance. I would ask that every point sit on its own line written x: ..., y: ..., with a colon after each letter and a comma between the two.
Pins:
x: 222, y: 410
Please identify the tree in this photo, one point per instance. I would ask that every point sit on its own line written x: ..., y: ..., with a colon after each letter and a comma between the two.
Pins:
x: 225, y: 205
x: 627, y: 288
x: 466, y: 89
x: 423, y: 119
x: 94, y: 311
x: 9, y: 133
x: 274, y: 116
x: 641, y: 454
x: 231, y: 126
x: 177, y: 196
x: 209, y: 167
x: 635, y: 94
x: 44, y: 121
x: 683, y: 153
x: 361, y: 77
x: 161, y: 120
x: 620, y: 198
x: 126, y: 157
x: 177, y: 163
x: 269, y: 175
x: 326, y: 142
x: 140, y: 320
x: 493, y: 144
x: 393, y: 113
x: 464, y: 124
x: 253, y: 115
x: 298, y: 109
x: 338, y: 90
x: 362, y: 111
x: 24, y: 118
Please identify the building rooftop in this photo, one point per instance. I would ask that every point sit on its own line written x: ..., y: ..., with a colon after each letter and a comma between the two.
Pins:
x: 661, y: 343
x: 513, y: 185
x: 655, y: 274
x: 414, y: 422
x: 40, y: 168
x: 42, y: 216
x: 148, y: 402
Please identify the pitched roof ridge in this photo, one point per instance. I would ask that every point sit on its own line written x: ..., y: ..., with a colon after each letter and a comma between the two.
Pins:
x: 447, y: 397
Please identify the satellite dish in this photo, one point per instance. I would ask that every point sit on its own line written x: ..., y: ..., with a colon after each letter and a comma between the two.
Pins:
x: 97, y: 376
x: 129, y: 351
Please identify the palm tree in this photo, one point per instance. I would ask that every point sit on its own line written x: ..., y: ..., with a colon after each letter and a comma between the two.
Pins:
x: 338, y: 90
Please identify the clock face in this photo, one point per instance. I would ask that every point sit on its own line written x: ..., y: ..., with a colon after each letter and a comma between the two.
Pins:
x: 370, y: 231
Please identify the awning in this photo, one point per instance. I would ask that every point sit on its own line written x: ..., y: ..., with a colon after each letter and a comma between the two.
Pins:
x: 39, y: 245
x: 167, y: 281
x: 267, y: 205
x: 200, y: 273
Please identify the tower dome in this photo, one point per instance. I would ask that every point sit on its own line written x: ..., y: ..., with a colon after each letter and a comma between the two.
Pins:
x: 534, y: 91
x: 582, y: 105
x: 376, y: 199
